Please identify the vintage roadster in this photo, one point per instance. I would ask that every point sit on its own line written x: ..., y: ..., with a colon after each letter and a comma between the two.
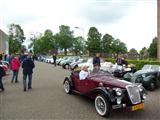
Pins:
x: 148, y: 76
x: 108, y: 92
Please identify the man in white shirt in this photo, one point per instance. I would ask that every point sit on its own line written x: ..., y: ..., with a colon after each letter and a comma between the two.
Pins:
x: 83, y: 73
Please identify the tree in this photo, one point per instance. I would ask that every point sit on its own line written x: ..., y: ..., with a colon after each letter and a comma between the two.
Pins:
x: 144, y: 52
x: 43, y: 44
x: 133, y: 50
x: 16, y: 38
x: 118, y: 47
x: 153, y: 48
x: 64, y: 38
x: 48, y: 41
x: 78, y: 45
x: 107, y: 43
x: 94, y: 40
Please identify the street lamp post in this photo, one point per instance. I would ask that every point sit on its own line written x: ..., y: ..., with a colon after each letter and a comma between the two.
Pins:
x: 83, y: 38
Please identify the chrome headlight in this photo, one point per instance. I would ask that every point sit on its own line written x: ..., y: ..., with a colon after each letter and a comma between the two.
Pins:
x: 144, y: 96
x: 140, y: 87
x: 118, y: 91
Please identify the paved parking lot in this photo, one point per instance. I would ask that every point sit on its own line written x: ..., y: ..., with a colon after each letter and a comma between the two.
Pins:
x: 48, y: 101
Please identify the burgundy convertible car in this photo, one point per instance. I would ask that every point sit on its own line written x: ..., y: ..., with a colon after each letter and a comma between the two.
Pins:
x: 108, y: 92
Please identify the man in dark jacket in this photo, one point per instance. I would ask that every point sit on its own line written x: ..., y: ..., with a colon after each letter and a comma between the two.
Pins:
x: 97, y: 62
x: 2, y: 73
x: 27, y: 66
x: 54, y: 59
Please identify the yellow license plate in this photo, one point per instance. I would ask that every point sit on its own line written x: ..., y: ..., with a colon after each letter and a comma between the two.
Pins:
x: 137, y: 107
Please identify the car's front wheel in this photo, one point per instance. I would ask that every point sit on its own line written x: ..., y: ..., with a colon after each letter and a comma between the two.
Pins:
x: 67, y: 86
x: 102, y: 105
x: 152, y: 86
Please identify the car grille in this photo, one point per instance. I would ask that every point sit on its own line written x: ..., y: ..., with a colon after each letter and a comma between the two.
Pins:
x: 134, y: 95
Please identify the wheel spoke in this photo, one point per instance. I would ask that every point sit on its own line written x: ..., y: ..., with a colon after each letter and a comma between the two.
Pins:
x: 100, y: 105
x: 66, y: 86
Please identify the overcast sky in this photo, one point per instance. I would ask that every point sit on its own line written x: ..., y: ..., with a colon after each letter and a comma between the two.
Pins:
x: 132, y: 21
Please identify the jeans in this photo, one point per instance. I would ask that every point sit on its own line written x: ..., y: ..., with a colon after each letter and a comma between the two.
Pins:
x: 29, y: 80
x: 54, y: 63
x: 1, y: 84
x: 15, y: 75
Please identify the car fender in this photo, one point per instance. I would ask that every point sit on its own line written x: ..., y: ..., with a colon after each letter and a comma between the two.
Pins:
x: 149, y: 79
x: 69, y: 79
x: 105, y: 92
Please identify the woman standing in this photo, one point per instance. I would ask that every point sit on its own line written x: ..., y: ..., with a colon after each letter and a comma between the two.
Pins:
x: 15, y: 65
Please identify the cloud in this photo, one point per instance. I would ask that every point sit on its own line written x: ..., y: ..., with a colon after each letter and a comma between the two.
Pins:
x: 104, y: 12
x: 19, y: 18
x: 107, y: 11
x: 132, y: 21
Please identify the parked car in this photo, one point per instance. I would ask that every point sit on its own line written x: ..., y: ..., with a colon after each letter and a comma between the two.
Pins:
x: 5, y: 66
x: 88, y: 63
x: 41, y: 57
x: 120, y: 71
x: 5, y: 63
x: 74, y: 64
x: 49, y: 59
x: 66, y: 63
x: 105, y: 66
x: 107, y: 91
x: 59, y: 60
x: 148, y: 76
x: 63, y: 59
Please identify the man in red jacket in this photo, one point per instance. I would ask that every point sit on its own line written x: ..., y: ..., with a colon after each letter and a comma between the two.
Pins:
x: 15, y: 65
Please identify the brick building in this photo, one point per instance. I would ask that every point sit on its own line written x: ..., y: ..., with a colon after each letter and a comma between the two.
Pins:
x: 4, y: 45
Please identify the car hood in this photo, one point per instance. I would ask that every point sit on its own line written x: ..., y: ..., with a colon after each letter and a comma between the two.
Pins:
x: 110, y: 81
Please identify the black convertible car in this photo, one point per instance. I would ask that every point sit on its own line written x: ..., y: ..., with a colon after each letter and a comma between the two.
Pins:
x: 149, y: 76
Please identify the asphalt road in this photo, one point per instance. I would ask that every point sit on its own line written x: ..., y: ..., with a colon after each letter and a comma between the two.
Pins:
x: 48, y: 101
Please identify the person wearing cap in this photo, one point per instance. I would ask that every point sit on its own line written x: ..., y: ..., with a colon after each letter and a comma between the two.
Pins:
x: 83, y: 73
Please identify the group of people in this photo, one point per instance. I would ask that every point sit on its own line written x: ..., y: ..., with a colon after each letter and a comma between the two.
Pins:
x: 15, y: 63
x: 121, y: 60
x: 97, y: 64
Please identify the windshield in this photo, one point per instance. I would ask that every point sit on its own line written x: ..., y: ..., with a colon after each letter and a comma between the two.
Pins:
x: 151, y: 67
x: 99, y: 73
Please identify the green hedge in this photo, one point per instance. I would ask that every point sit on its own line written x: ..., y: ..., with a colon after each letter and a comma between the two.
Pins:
x: 139, y: 63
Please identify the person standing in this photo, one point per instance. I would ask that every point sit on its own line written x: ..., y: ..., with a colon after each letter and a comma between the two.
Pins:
x: 54, y: 59
x: 97, y: 62
x: 119, y: 60
x: 5, y: 57
x: 1, y: 56
x: 15, y: 65
x: 27, y: 66
x: 2, y: 73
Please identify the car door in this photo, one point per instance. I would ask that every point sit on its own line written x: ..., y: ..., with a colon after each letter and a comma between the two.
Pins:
x: 86, y: 85
x: 75, y: 78
x: 158, y: 78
